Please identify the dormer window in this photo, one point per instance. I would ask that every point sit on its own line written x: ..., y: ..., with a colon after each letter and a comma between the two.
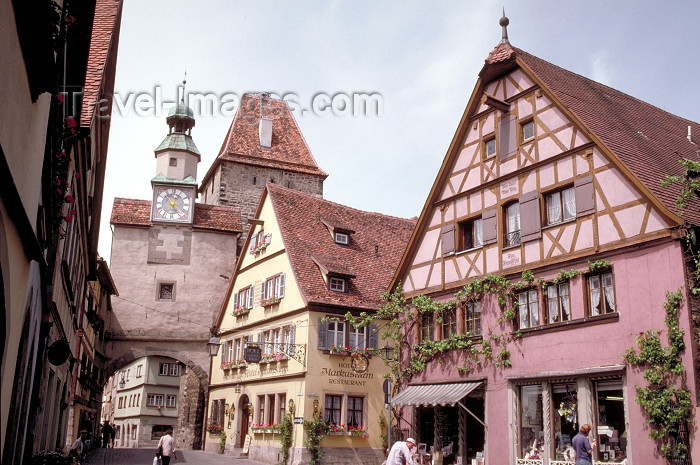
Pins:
x: 342, y: 238
x: 336, y: 284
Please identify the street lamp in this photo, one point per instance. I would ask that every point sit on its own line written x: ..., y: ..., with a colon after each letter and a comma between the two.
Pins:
x: 213, y: 346
x: 237, y: 388
x: 387, y: 352
x: 315, y: 406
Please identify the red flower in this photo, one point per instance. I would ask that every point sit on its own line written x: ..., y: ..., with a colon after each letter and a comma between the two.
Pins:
x: 70, y: 199
x: 77, y: 175
x: 59, y: 98
x: 73, y: 212
x: 69, y: 219
x: 70, y: 122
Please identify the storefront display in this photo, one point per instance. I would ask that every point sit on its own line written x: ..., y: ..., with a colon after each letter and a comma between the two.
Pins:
x: 611, y: 433
x: 531, y: 428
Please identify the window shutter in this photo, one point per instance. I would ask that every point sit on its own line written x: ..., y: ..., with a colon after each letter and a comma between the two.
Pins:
x: 530, y: 222
x: 224, y: 352
x: 260, y: 338
x: 280, y: 285
x: 507, y: 142
x: 235, y: 300
x: 489, y: 223
x: 585, y: 202
x: 322, y: 334
x: 373, y: 336
x: 250, y: 297
x: 448, y: 239
x: 262, y: 290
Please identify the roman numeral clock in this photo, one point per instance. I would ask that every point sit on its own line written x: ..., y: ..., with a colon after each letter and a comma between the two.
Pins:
x: 173, y: 204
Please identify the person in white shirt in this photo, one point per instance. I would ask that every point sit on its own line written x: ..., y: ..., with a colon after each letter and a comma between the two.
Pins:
x: 167, y: 442
x: 400, y: 453
x: 79, y: 448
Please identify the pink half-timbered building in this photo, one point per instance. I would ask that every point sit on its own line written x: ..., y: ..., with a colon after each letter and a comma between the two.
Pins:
x: 547, y: 171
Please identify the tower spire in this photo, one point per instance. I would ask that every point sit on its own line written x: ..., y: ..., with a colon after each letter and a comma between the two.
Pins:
x: 504, y: 21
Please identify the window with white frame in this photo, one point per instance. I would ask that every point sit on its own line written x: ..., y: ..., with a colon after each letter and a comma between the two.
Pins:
x: 558, y: 306
x: 601, y: 293
x: 138, y: 371
x: 342, y: 238
x: 336, y: 284
x: 169, y: 369
x: 154, y: 400
x: 171, y: 401
x: 490, y: 147
x: 273, y: 288
x: 561, y: 205
x: 528, y: 315
x: 174, y: 369
x: 341, y: 334
x: 336, y: 334
x: 527, y: 129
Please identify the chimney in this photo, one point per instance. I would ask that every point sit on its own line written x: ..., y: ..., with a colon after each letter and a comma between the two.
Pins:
x: 265, y: 132
x: 690, y: 133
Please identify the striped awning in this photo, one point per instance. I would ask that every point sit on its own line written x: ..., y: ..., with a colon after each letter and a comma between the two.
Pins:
x: 434, y: 394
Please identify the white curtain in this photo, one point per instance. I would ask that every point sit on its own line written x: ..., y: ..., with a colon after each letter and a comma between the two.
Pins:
x: 514, y: 217
x: 564, y: 296
x: 554, y: 207
x: 552, y: 304
x: 478, y: 234
x: 569, y: 204
x: 522, y: 305
x: 534, y: 314
x: 594, y: 285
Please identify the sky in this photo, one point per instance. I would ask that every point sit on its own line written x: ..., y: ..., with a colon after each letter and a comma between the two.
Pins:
x: 419, y: 59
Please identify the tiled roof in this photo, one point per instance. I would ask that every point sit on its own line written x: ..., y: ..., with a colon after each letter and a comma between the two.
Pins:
x: 131, y: 212
x: 288, y: 151
x: 647, y: 139
x: 372, y: 254
x: 107, y: 14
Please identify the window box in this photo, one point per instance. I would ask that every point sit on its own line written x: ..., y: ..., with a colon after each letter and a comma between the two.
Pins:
x: 357, y: 431
x: 257, y: 430
x: 270, y: 302
x: 233, y: 364
x: 240, y: 311
x: 260, y: 243
x: 275, y: 357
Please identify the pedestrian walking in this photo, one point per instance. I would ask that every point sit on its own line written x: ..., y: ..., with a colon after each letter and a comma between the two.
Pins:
x: 167, y: 447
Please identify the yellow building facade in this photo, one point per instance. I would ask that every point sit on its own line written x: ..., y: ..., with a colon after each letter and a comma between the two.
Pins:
x: 293, y: 285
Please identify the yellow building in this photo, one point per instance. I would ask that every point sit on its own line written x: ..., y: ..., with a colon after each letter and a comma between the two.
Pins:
x: 305, y: 260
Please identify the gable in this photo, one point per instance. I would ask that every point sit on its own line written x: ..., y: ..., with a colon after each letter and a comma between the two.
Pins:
x: 476, y: 184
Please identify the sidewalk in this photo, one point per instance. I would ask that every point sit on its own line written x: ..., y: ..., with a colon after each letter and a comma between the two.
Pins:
x: 145, y: 457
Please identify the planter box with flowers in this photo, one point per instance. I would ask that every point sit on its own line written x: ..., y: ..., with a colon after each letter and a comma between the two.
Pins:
x: 260, y: 246
x: 232, y: 364
x: 347, y: 350
x: 267, y: 358
x: 357, y: 431
x: 271, y: 428
x: 214, y: 429
x: 336, y: 430
x: 240, y: 311
x: 270, y: 302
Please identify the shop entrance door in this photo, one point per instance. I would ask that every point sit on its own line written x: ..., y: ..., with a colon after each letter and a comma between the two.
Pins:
x: 244, y: 419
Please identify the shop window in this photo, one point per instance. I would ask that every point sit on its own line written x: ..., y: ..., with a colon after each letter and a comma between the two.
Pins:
x: 154, y: 400
x: 561, y: 206
x: 565, y: 414
x: 528, y: 315
x: 612, y: 435
x: 601, y: 293
x: 558, y: 306
x: 512, y: 225
x: 490, y: 147
x: 332, y: 409
x: 449, y: 322
x: 531, y: 426
x: 470, y: 234
x: 527, y: 129
x: 355, y: 412
x: 158, y: 431
x: 427, y: 327
x: 472, y: 318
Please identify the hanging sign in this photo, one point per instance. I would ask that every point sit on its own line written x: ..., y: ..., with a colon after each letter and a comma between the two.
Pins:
x: 252, y: 353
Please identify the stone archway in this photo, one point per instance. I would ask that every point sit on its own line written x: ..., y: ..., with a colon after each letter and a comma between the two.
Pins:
x: 194, y: 385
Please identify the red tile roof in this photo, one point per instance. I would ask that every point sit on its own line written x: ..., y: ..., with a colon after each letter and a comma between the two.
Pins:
x: 288, y: 151
x: 131, y: 212
x: 107, y: 15
x: 647, y: 139
x: 373, y: 253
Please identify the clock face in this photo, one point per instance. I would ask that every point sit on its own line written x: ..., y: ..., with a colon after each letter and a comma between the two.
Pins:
x: 359, y: 363
x: 172, y: 204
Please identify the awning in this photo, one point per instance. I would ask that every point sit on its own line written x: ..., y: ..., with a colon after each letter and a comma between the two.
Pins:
x: 434, y: 394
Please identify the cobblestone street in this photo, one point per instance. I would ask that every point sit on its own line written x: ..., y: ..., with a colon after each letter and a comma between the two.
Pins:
x: 145, y: 457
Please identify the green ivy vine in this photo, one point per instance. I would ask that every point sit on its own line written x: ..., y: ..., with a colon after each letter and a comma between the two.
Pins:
x: 285, y: 436
x: 666, y: 406
x: 316, y: 430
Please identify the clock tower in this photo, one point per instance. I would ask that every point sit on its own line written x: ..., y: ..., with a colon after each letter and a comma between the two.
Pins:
x: 175, y: 184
